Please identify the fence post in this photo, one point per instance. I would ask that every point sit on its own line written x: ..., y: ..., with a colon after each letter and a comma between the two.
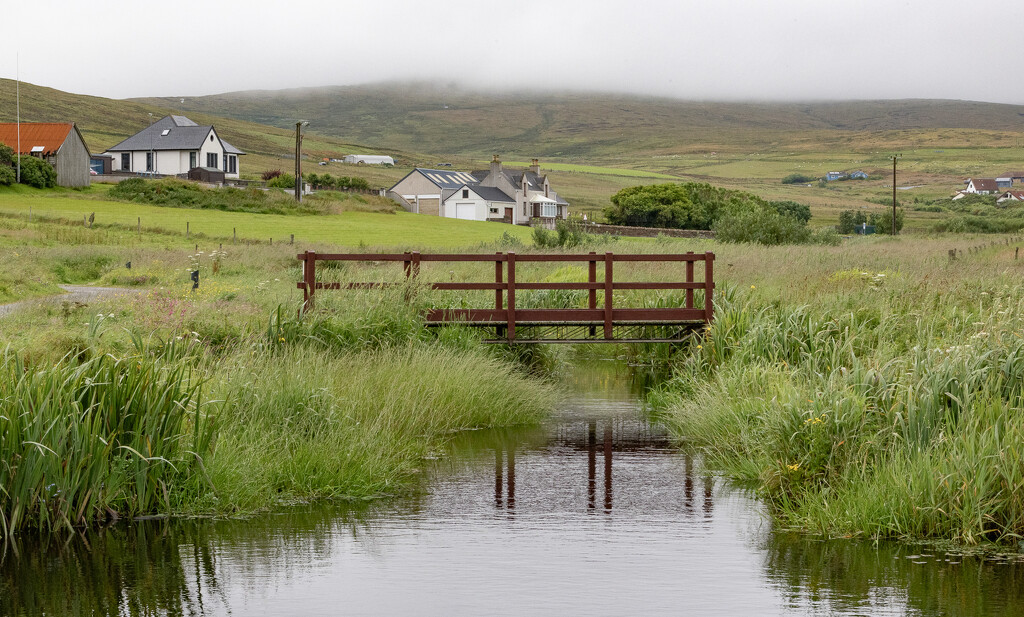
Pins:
x: 234, y: 235
x: 607, y: 295
x: 709, y: 285
x: 689, y: 279
x: 415, y: 264
x: 511, y: 296
x: 592, y: 292
x: 500, y: 331
x: 292, y: 241
x: 186, y: 230
x: 407, y: 264
x: 309, y: 277
x: 139, y: 226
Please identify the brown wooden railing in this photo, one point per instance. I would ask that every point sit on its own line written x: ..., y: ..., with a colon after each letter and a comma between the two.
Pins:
x: 507, y: 316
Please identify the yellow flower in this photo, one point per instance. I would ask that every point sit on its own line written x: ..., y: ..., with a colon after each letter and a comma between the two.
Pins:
x: 794, y: 466
x: 700, y: 347
x: 752, y: 287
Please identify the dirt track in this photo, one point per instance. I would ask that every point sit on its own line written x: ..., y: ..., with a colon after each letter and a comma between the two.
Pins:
x: 75, y: 293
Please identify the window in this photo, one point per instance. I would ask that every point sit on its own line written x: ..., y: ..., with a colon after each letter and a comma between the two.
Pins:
x: 211, y: 159
x: 465, y: 193
x: 149, y: 161
x: 126, y: 161
x: 225, y: 159
x: 232, y: 164
x: 549, y: 210
x: 494, y: 210
x: 192, y: 159
x: 165, y: 133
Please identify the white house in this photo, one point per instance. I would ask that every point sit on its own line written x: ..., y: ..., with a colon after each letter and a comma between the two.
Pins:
x: 521, y: 197
x: 982, y: 186
x: 172, y: 146
x: 369, y: 159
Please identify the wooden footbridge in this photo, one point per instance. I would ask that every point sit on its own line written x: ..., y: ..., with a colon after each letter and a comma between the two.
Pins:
x: 599, y: 322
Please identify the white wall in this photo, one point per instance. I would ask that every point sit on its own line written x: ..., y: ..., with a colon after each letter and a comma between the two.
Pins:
x: 479, y: 206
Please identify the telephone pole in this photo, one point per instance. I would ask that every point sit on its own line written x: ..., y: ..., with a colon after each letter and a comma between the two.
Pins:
x: 894, y: 159
x: 301, y: 124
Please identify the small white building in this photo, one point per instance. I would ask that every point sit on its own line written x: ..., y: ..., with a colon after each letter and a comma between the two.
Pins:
x: 369, y: 159
x: 982, y: 186
x: 172, y: 146
x: 478, y: 203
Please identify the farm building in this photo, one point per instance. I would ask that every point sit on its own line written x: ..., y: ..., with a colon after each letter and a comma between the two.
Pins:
x: 1011, y: 196
x: 172, y: 146
x: 1015, y: 176
x: 59, y: 143
x: 834, y: 175
x: 982, y: 186
x: 858, y: 175
x: 522, y: 197
x: 369, y: 159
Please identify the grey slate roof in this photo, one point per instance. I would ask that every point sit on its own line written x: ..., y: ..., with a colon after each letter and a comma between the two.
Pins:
x: 182, y: 134
x: 491, y: 193
x: 447, y: 179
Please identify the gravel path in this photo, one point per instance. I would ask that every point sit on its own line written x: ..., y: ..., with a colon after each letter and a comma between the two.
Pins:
x: 75, y: 293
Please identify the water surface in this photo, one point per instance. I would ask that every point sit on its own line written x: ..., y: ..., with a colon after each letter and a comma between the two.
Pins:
x: 592, y: 514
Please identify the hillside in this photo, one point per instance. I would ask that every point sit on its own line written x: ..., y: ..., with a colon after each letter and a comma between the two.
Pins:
x: 105, y: 122
x: 452, y: 121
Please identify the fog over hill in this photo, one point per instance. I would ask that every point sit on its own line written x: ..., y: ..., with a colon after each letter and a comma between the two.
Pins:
x: 449, y: 119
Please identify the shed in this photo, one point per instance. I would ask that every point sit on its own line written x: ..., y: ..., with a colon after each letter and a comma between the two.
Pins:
x: 101, y: 164
x: 369, y: 159
x: 206, y: 174
x: 58, y: 143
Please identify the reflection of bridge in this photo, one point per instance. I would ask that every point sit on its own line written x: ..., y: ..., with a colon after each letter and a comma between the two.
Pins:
x: 515, y: 324
x: 609, y: 443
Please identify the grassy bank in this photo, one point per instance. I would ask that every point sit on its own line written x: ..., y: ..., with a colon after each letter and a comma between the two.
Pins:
x: 869, y: 390
x: 221, y: 400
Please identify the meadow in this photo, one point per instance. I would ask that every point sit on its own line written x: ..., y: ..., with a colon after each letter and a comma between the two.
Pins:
x: 171, y: 401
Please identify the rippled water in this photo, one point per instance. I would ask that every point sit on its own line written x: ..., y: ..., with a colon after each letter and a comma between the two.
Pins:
x: 592, y: 514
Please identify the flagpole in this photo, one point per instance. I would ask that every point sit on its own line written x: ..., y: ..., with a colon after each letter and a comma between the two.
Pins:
x: 17, y: 76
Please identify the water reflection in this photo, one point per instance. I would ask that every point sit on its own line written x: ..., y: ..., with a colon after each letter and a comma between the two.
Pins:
x: 594, y: 514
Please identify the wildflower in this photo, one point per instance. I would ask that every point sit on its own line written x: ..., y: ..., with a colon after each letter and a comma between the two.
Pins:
x: 700, y: 347
x: 794, y: 466
x: 752, y: 287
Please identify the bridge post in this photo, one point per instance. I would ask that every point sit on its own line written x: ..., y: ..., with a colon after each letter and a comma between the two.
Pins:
x: 309, y: 278
x: 592, y: 278
x: 511, y: 296
x: 689, y: 279
x: 498, y: 302
x: 607, y: 295
x: 709, y: 285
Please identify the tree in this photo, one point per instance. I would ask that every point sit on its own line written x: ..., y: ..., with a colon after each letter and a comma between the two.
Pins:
x: 6, y: 155
x: 883, y: 224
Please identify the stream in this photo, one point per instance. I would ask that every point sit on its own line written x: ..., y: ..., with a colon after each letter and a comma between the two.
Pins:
x: 593, y: 513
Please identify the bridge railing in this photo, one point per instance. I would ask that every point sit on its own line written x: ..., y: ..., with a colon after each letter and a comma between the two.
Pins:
x: 505, y: 313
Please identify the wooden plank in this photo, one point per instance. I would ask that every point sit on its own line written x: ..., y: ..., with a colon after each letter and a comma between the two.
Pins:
x: 709, y: 278
x: 309, y: 278
x: 592, y: 279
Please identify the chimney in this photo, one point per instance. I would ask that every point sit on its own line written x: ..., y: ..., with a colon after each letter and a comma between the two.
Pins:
x: 496, y: 165
x: 535, y: 167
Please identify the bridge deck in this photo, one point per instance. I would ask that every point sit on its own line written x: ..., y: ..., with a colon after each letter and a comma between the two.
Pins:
x: 550, y: 325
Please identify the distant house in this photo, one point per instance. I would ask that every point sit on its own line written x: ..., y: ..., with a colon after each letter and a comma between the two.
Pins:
x: 522, y: 197
x: 172, y: 146
x: 1015, y: 176
x: 1004, y: 183
x: 369, y: 159
x: 834, y: 175
x: 859, y: 175
x: 59, y: 143
x: 1011, y: 196
x: 981, y: 186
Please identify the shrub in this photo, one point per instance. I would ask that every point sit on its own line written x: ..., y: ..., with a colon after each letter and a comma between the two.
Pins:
x: 270, y: 174
x: 38, y: 173
x: 7, y: 176
x: 282, y: 181
x: 797, y: 179
x: 762, y: 226
x: 6, y: 155
x: 883, y: 223
x: 798, y: 211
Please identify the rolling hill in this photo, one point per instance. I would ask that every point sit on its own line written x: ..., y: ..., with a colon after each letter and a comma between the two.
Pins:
x: 448, y: 120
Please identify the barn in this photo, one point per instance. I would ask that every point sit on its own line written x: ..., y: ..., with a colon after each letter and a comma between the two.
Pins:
x: 59, y: 143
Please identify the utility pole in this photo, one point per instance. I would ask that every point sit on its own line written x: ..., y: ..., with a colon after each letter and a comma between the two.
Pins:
x: 298, y: 158
x: 894, y: 159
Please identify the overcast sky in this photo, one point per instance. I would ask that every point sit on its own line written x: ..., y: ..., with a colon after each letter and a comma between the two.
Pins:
x: 691, y: 49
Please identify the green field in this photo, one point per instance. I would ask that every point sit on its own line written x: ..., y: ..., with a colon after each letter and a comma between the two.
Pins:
x: 344, y: 229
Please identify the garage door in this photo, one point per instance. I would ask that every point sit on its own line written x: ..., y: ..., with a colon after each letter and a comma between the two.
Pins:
x: 465, y: 211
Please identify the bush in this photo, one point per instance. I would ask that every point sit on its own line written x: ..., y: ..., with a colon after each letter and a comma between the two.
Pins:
x: 282, y: 181
x: 567, y: 234
x: 797, y: 179
x: 38, y: 173
x: 6, y: 155
x: 7, y: 176
x: 798, y: 211
x: 883, y: 223
x: 270, y: 174
x: 762, y: 226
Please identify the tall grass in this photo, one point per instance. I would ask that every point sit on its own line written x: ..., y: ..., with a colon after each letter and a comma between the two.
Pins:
x: 890, y: 419
x: 86, y: 441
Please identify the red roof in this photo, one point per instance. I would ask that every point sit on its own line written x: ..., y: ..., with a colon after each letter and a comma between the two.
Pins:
x: 49, y: 135
x: 985, y: 184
